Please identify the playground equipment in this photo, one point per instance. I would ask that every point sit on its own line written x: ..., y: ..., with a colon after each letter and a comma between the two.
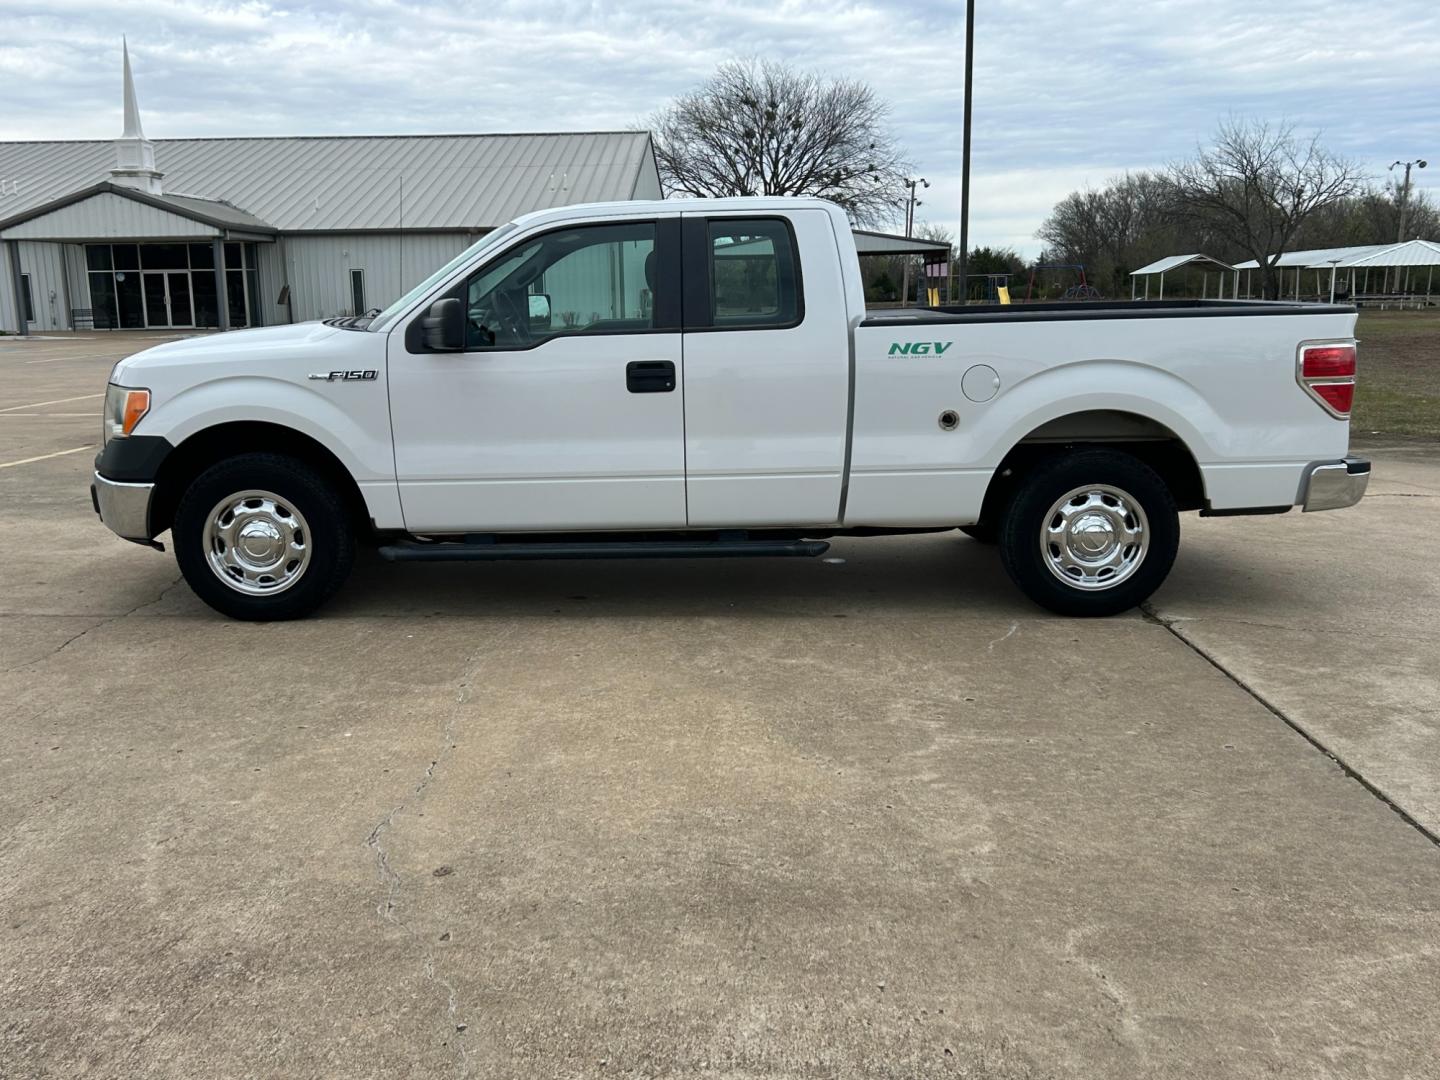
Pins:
x: 1083, y: 290
x: 994, y: 283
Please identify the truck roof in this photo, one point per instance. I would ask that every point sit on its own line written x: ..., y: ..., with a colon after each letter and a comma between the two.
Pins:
x: 757, y: 204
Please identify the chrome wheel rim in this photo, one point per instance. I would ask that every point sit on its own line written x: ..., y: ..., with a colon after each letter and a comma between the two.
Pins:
x: 257, y: 543
x: 1094, y: 537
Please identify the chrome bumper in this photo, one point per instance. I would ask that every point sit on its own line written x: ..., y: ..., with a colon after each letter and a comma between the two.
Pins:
x: 1335, y: 484
x: 124, y: 508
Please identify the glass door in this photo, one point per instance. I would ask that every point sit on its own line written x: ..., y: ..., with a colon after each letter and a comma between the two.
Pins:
x: 167, y: 298
x: 157, y: 302
x: 180, y: 313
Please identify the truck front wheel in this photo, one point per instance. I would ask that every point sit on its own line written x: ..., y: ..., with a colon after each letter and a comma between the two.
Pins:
x: 1092, y: 532
x: 263, y: 537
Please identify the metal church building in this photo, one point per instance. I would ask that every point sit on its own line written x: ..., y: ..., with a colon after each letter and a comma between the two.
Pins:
x: 222, y: 233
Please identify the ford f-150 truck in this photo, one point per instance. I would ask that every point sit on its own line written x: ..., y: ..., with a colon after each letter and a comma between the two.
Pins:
x: 693, y: 378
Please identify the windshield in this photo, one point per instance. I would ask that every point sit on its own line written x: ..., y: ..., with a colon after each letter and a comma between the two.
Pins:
x: 419, y: 291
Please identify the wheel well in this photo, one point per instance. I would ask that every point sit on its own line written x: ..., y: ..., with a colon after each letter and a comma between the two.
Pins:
x: 205, y: 448
x: 1150, y: 441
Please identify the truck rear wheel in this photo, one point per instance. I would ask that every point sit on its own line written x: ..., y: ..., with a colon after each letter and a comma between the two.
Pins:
x: 263, y: 537
x: 1092, y: 532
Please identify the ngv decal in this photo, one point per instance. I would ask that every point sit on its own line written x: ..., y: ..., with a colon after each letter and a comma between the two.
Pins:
x: 346, y: 376
x: 919, y: 348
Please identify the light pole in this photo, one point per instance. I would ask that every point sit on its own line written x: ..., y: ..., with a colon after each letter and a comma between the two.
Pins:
x: 965, y: 151
x: 910, y: 204
x: 1405, y: 193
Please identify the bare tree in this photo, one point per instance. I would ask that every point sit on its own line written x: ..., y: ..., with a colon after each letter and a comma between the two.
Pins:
x: 761, y: 128
x: 1113, y: 230
x: 1257, y: 186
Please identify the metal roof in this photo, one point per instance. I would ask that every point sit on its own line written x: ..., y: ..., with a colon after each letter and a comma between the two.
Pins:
x: 875, y: 243
x: 1316, y: 256
x: 1170, y: 262
x: 1410, y: 253
x: 211, y: 212
x: 349, y: 183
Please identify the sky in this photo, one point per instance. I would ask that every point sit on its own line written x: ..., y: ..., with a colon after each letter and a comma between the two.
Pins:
x: 1067, y: 92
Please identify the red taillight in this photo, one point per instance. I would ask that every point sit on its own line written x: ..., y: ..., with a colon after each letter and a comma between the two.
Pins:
x: 1327, y: 372
x: 1339, y: 396
x: 1328, y: 362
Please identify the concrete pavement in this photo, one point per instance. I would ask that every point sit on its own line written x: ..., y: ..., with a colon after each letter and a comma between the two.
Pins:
x: 1334, y: 620
x: 783, y: 819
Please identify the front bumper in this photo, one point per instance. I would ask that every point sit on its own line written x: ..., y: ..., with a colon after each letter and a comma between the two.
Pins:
x: 1335, y: 484
x: 123, y: 507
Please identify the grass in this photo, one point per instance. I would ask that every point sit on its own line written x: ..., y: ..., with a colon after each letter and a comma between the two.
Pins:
x: 1398, y: 389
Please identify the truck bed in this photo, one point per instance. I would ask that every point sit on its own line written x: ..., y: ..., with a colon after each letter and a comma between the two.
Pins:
x: 941, y: 395
x: 1063, y: 310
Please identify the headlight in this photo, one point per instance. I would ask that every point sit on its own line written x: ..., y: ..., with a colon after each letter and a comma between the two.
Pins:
x: 124, y: 408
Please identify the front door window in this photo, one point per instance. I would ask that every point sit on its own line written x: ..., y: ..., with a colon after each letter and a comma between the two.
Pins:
x: 593, y: 279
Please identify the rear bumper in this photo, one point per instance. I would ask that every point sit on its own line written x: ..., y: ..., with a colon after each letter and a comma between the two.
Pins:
x: 123, y: 507
x: 1333, y: 485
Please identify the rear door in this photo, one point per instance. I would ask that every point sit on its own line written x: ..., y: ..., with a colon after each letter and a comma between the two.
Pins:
x: 564, y: 410
x: 767, y: 369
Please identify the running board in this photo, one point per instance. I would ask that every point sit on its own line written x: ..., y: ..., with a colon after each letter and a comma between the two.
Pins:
x: 615, y: 549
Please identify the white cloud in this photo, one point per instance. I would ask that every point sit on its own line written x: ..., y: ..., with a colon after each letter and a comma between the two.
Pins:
x: 1067, y: 91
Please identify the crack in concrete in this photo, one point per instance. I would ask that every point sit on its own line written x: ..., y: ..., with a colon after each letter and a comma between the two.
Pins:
x: 1230, y: 620
x: 388, y: 907
x: 1151, y: 615
x: 106, y: 621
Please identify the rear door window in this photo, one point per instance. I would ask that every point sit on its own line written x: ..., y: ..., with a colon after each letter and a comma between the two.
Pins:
x: 754, y: 274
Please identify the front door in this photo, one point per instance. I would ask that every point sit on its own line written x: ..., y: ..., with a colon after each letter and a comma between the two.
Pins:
x: 565, y: 409
x: 167, y: 298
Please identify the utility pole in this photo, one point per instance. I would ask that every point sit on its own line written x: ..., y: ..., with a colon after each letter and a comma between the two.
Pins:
x: 965, y: 150
x: 1405, y: 194
x: 910, y: 204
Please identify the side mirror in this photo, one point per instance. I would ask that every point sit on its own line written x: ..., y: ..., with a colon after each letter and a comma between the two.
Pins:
x: 443, y: 326
x: 539, y: 311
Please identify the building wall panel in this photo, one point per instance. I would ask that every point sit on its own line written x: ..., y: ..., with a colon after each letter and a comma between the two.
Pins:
x: 8, y: 323
x: 77, y: 273
x: 272, y: 280
x: 43, y: 263
x: 319, y: 268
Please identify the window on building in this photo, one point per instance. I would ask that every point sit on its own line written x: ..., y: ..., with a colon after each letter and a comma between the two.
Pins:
x: 592, y: 279
x: 242, y: 292
x: 27, y: 298
x: 164, y: 257
x: 754, y: 278
x: 118, y: 275
x: 357, y: 292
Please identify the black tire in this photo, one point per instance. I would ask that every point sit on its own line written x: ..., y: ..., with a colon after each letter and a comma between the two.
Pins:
x: 329, y: 535
x: 982, y: 531
x: 1050, y: 480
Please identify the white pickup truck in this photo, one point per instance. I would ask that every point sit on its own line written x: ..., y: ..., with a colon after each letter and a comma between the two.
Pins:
x: 695, y: 378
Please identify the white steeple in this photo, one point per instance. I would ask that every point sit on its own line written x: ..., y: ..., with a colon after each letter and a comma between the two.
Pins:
x: 134, y: 154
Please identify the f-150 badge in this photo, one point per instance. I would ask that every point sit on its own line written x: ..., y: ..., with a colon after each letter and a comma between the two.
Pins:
x: 345, y: 376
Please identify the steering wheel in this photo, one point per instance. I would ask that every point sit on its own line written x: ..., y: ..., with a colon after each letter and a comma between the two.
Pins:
x: 511, y: 318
